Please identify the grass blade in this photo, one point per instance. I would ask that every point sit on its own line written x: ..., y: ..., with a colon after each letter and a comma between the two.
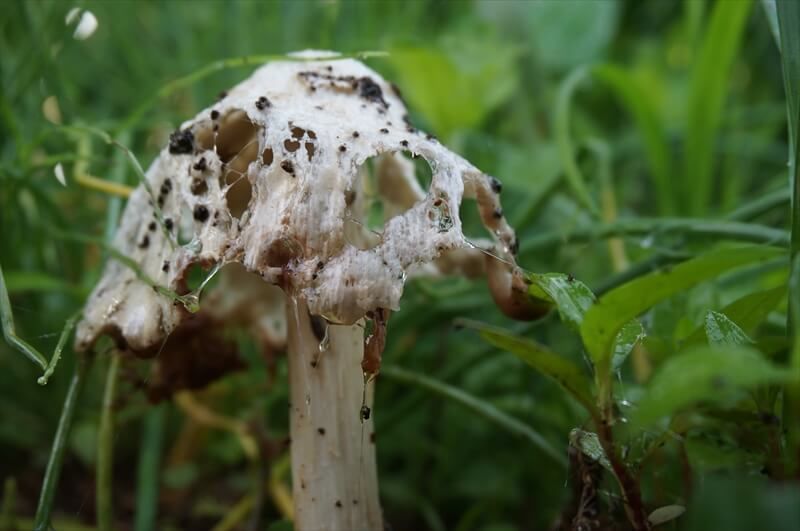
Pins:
x: 566, y: 149
x: 148, y: 473
x: 53, y: 471
x: 633, y: 96
x: 481, y: 407
x: 105, y: 449
x: 708, y: 88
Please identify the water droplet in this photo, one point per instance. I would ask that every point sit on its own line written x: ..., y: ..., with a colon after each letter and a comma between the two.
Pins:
x: 191, y: 302
x: 194, y: 246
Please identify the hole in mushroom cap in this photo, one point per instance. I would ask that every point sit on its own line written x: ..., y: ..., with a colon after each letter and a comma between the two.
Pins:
x: 387, y: 186
x: 236, y: 143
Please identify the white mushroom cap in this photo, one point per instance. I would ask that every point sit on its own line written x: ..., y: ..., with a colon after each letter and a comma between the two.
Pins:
x: 269, y: 177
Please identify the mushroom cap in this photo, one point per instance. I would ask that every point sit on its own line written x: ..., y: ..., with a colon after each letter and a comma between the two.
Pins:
x: 270, y: 176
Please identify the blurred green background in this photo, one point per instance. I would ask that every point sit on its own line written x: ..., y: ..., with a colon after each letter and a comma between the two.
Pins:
x: 619, y: 106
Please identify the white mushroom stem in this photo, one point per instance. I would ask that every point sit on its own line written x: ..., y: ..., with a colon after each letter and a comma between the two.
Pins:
x: 334, y: 475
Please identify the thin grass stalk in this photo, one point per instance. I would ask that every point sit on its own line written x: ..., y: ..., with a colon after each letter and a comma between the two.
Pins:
x: 105, y: 449
x: 732, y: 230
x: 148, y: 472
x: 53, y: 470
x: 481, y: 407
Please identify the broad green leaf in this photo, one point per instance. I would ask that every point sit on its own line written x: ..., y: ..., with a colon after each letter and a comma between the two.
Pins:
x: 628, y: 337
x: 569, y: 33
x: 708, y: 88
x: 572, y: 297
x: 588, y: 443
x: 747, y: 312
x: 704, y: 374
x: 457, y: 86
x: 721, y: 331
x: 616, y: 308
x: 566, y: 373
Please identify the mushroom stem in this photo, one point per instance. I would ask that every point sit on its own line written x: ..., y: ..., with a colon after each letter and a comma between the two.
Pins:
x: 334, y: 475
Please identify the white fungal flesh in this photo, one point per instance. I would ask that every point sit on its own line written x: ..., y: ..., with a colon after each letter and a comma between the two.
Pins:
x: 269, y: 178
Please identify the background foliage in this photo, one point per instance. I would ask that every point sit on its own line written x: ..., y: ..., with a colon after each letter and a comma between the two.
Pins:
x: 629, y: 136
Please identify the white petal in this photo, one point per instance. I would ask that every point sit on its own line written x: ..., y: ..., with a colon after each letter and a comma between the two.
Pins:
x: 59, y: 172
x: 86, y: 26
x: 665, y: 514
x: 72, y: 15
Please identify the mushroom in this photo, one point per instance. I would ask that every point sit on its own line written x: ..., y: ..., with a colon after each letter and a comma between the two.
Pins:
x: 274, y: 178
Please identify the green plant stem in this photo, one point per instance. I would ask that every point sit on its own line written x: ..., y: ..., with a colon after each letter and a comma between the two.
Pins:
x: 8, y: 521
x: 9, y: 329
x: 105, y: 449
x: 733, y: 230
x: 746, y: 212
x: 484, y: 409
x: 760, y: 206
x: 148, y: 473
x: 51, y: 475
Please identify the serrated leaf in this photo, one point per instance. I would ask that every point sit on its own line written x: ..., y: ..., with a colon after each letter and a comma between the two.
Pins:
x: 589, y: 444
x: 711, y: 374
x: 611, y: 312
x: 747, y: 312
x: 628, y: 337
x: 563, y: 371
x: 571, y: 296
x: 721, y: 331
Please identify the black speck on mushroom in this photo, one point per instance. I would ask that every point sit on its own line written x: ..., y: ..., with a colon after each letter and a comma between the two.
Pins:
x: 339, y: 504
x: 181, y: 142
x: 152, y: 226
x: 321, y: 431
x: 145, y: 243
x: 168, y: 223
x: 342, y: 148
x: 165, y: 266
x: 496, y: 185
x: 384, y: 131
x: 371, y: 91
x: 214, y: 114
x: 262, y: 103
x: 201, y: 213
x: 498, y: 213
x: 288, y: 167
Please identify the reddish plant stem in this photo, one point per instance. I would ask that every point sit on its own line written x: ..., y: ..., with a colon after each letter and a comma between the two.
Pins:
x: 629, y: 486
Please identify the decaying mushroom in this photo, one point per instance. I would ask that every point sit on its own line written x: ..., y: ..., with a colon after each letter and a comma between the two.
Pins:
x: 274, y: 177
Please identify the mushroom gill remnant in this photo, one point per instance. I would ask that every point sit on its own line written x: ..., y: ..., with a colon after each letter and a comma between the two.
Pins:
x: 270, y: 177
